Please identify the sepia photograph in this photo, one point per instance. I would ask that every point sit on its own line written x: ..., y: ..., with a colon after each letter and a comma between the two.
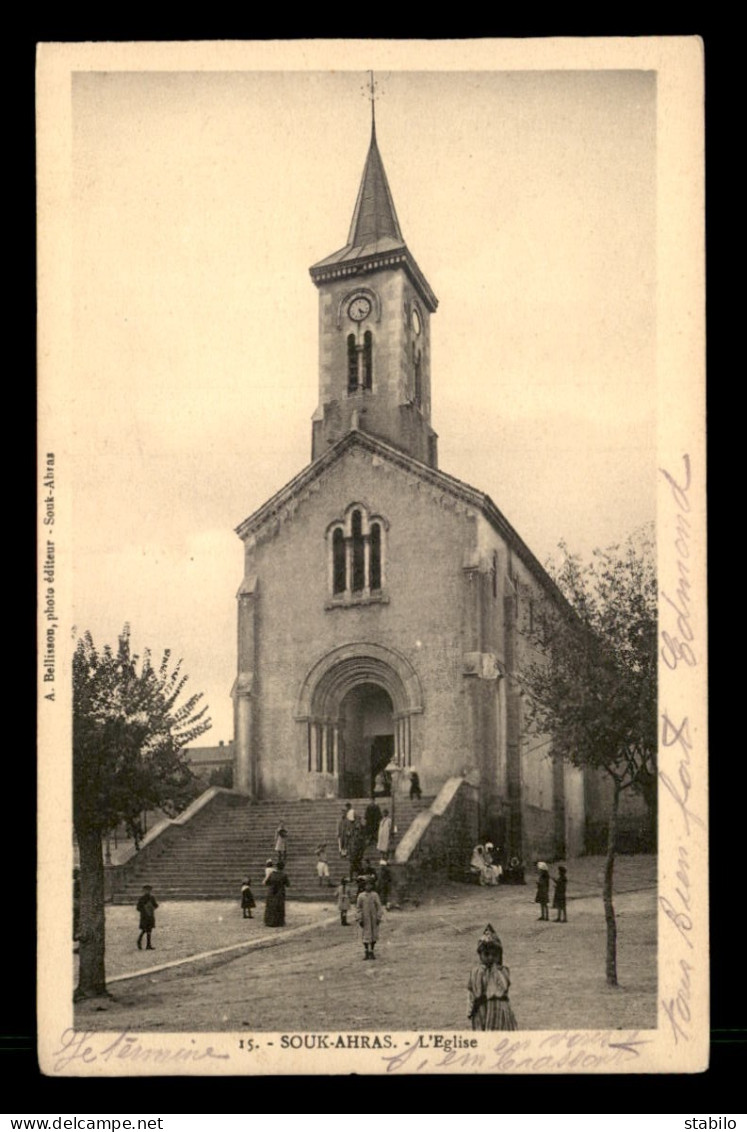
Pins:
x: 372, y: 688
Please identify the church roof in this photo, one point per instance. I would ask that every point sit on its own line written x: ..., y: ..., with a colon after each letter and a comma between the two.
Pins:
x: 375, y: 239
x: 283, y: 504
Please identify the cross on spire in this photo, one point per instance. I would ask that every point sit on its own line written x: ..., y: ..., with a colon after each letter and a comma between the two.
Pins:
x: 372, y: 96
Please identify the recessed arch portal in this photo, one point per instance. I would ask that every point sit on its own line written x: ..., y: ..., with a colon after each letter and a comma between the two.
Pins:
x: 365, y: 678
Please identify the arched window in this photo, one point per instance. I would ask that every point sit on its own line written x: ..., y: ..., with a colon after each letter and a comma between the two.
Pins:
x: 356, y: 566
x: 359, y: 555
x: 352, y: 364
x: 367, y: 360
x: 338, y: 562
x: 374, y: 569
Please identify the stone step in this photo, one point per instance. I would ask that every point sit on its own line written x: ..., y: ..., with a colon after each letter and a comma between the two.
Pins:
x: 234, y: 837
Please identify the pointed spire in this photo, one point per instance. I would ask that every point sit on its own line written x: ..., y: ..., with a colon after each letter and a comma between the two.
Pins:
x: 374, y: 217
x: 375, y: 238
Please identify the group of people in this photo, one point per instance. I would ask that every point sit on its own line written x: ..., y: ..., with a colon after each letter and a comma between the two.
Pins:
x: 484, y: 864
x: 489, y: 981
x: 355, y: 834
x: 381, y: 881
x: 489, y: 1007
x: 275, y: 880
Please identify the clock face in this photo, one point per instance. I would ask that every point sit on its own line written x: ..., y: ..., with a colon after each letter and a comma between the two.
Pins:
x: 416, y: 323
x: 360, y: 308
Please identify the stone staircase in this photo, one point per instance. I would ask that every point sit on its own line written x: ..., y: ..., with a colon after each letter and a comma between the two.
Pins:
x: 233, y: 837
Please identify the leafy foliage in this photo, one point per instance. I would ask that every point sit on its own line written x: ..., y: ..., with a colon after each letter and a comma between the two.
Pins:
x: 128, y: 731
x: 593, y: 686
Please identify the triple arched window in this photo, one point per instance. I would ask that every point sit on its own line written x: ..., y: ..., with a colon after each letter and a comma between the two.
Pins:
x: 356, y: 553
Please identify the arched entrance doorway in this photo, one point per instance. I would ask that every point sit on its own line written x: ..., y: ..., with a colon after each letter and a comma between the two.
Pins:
x: 366, y: 740
x: 357, y: 705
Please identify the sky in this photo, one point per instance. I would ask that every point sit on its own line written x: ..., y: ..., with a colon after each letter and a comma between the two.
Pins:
x: 200, y: 200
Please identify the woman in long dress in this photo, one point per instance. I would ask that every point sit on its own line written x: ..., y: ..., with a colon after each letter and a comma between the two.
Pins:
x: 276, y: 882
x: 489, y: 981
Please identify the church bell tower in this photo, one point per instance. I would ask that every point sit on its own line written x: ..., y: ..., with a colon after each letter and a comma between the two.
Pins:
x: 375, y: 306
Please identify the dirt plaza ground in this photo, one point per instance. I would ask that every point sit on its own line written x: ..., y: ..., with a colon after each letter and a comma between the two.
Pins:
x: 311, y: 974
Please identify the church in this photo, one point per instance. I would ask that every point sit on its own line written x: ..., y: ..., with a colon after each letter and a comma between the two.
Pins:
x: 386, y: 606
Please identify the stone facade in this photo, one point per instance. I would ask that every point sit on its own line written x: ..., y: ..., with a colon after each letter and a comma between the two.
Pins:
x: 386, y: 607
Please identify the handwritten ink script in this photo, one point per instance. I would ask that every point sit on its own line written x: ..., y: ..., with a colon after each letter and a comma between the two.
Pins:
x: 677, y: 613
x: 565, y: 1051
x: 676, y: 772
x: 85, y: 1047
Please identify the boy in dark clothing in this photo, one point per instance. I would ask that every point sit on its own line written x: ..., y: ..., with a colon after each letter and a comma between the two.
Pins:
x: 146, y: 906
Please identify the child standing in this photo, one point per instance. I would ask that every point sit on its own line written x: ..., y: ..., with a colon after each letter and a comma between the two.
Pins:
x: 146, y: 906
x: 561, y: 882
x: 343, y: 901
x: 543, y: 890
x: 322, y: 868
x: 368, y: 913
x: 247, y: 899
x: 489, y: 981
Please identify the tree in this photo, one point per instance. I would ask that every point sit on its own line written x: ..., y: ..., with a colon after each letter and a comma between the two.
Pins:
x: 592, y: 687
x: 128, y: 732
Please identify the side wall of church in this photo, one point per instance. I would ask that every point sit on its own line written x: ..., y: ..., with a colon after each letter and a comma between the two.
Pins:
x: 546, y: 804
x: 575, y: 811
x: 636, y: 824
x: 420, y: 617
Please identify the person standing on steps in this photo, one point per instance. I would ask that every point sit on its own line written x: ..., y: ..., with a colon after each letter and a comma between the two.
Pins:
x: 368, y: 913
x: 322, y: 868
x: 415, y: 791
x: 343, y: 831
x: 357, y: 847
x: 146, y: 906
x: 372, y: 819
x: 281, y: 844
x: 385, y: 833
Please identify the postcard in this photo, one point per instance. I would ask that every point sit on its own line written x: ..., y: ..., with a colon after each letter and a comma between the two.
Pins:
x: 372, y: 594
